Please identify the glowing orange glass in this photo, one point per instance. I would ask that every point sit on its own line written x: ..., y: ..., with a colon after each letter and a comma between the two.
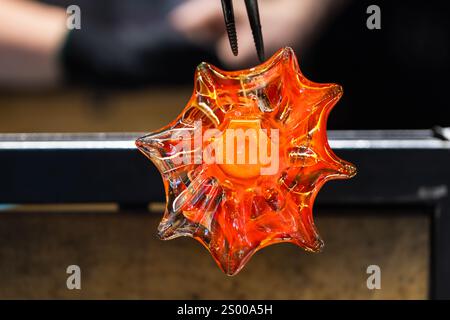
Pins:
x: 243, y: 162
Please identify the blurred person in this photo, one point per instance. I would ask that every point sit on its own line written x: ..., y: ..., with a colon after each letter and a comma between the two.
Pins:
x: 31, y: 36
x: 120, y: 44
x: 395, y: 77
x: 138, y: 42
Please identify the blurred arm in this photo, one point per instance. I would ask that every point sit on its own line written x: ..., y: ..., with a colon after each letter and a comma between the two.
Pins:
x: 31, y: 35
x: 284, y: 23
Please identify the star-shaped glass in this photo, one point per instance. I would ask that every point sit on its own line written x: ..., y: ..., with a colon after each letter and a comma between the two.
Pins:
x: 245, y: 159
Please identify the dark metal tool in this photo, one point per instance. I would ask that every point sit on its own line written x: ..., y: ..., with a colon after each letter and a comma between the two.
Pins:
x: 255, y: 24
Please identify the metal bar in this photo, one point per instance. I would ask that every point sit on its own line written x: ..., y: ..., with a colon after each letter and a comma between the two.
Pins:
x: 361, y: 139
x: 395, y: 167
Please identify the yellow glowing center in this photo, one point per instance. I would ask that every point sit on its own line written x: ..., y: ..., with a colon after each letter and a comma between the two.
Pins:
x: 243, y: 141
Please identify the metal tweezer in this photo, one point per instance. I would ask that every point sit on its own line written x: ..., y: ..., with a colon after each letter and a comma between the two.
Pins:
x: 255, y: 24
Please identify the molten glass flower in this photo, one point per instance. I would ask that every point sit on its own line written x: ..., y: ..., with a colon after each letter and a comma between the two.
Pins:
x: 243, y: 162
